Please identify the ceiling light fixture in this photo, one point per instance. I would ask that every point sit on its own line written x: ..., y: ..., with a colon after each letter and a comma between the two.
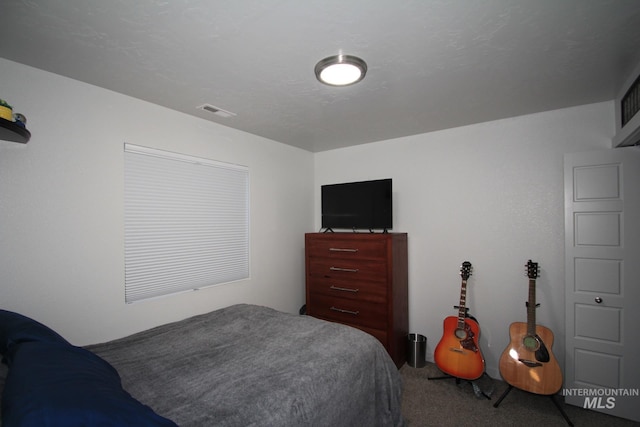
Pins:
x: 341, y: 70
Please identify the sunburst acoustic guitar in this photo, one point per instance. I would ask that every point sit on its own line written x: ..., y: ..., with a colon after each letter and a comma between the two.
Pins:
x: 528, y: 362
x: 458, y: 353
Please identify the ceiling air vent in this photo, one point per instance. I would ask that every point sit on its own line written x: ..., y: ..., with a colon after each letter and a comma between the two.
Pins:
x: 630, y: 103
x: 627, y: 112
x: 215, y: 110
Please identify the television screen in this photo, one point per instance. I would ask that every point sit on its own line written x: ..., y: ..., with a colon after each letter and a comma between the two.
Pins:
x: 357, y: 205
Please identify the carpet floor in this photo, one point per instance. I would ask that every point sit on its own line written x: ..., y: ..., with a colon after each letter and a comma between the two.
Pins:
x: 443, y: 402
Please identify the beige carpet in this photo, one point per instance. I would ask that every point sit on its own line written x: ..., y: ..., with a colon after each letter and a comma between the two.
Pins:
x: 442, y: 402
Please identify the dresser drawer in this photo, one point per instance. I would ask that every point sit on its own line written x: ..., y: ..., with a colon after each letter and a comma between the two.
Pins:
x: 346, y: 248
x: 355, y: 290
x: 348, y: 311
x: 347, y: 270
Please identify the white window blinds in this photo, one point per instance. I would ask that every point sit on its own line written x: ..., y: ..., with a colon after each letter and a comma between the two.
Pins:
x: 186, y: 222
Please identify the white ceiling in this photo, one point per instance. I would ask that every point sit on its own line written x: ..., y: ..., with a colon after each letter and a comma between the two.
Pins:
x: 433, y: 64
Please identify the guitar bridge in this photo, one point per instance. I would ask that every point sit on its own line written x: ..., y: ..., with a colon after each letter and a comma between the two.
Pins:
x: 530, y: 363
x: 457, y: 350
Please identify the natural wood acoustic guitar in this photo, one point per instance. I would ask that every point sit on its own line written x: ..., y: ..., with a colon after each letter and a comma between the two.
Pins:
x: 458, y: 352
x: 528, y: 362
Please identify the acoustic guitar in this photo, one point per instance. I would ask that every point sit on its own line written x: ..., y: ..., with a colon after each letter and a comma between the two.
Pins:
x: 528, y: 362
x: 458, y: 353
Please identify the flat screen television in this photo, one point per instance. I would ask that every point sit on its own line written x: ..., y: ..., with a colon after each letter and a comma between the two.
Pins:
x: 357, y: 205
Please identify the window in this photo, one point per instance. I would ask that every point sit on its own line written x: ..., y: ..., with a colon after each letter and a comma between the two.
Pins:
x: 186, y: 223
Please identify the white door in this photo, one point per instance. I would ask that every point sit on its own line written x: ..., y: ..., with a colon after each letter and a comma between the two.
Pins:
x: 602, y: 256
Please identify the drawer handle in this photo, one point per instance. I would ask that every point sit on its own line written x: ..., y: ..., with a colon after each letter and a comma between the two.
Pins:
x: 349, y: 270
x: 342, y: 250
x: 337, y: 288
x: 340, y: 310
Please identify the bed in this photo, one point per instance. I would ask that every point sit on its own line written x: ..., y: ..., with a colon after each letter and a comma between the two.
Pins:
x: 243, y: 365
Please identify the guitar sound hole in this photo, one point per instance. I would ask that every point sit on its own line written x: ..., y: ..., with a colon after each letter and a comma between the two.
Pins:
x: 531, y: 343
x: 461, y: 334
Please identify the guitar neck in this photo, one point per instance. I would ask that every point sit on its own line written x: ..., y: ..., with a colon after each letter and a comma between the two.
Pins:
x: 462, y: 312
x: 531, y: 308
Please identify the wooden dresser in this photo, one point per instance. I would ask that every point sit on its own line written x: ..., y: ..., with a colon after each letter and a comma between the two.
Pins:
x: 360, y: 279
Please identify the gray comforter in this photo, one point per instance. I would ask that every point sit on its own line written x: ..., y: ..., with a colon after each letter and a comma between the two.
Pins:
x: 248, y: 365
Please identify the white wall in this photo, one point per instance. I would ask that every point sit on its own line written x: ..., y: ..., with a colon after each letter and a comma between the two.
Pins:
x: 490, y: 193
x: 61, y: 208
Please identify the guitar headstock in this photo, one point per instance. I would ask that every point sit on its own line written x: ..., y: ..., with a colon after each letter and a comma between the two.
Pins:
x: 465, y: 270
x: 532, y: 270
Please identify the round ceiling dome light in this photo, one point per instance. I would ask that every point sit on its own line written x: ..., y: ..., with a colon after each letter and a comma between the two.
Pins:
x: 341, y: 70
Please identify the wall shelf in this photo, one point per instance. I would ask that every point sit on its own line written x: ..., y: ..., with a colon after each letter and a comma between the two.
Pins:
x: 9, y: 131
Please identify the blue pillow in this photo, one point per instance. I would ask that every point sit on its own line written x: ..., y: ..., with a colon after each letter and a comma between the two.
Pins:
x: 16, y: 328
x: 53, y: 384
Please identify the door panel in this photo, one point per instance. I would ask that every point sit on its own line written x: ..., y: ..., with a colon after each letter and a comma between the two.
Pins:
x: 599, y: 323
x: 598, y: 275
x: 602, y: 249
x: 597, y: 229
x: 607, y: 374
